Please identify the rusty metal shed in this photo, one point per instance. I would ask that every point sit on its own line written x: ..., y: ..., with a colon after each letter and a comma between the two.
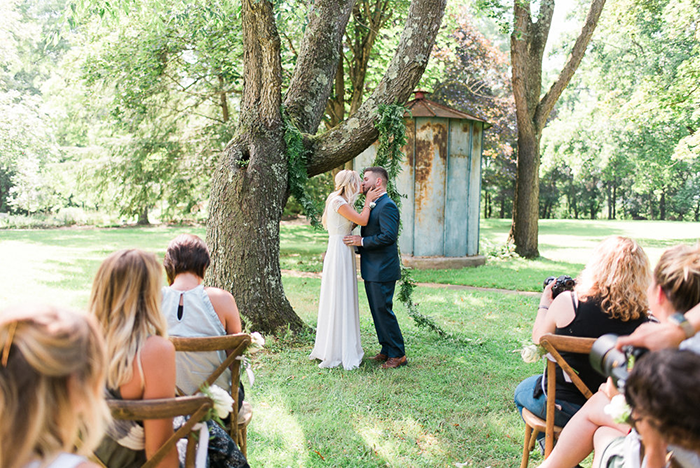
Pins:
x: 441, y: 179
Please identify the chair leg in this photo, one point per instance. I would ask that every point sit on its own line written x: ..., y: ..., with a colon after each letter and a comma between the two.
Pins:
x: 243, y: 437
x: 191, y: 452
x: 526, y: 446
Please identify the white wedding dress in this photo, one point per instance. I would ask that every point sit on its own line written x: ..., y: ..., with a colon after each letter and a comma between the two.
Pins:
x: 338, y: 330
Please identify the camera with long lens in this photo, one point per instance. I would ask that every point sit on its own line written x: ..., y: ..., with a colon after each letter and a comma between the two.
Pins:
x: 561, y: 284
x: 609, y: 361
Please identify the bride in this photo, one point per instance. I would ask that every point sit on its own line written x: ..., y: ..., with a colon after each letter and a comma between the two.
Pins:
x: 338, y: 331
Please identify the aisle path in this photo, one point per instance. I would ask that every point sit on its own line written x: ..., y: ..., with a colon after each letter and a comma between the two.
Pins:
x: 309, y: 274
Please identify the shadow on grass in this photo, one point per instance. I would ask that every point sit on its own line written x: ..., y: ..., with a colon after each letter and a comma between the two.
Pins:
x: 452, y: 404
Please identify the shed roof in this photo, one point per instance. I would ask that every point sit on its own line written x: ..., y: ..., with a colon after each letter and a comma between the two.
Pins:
x: 422, y: 107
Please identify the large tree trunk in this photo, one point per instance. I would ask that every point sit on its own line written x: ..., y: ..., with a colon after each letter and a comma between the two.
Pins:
x: 250, y: 186
x: 527, y: 44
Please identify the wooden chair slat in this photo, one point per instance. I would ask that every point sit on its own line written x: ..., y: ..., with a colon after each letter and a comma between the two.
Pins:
x: 235, y: 346
x: 210, y: 343
x: 138, y: 410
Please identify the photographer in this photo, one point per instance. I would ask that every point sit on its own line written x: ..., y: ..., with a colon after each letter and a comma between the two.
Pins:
x: 610, y: 297
x: 662, y: 392
x: 675, y: 288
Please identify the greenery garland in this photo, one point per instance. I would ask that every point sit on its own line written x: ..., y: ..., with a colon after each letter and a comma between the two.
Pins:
x: 392, y: 136
x: 297, y: 158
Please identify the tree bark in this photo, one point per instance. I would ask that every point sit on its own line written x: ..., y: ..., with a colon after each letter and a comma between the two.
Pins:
x: 527, y: 45
x: 143, y: 218
x: 250, y: 185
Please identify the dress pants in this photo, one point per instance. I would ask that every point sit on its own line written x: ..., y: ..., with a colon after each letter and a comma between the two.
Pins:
x: 381, y: 301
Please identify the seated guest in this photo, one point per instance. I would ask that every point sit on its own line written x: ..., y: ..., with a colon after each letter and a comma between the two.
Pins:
x: 675, y: 289
x: 662, y: 392
x: 609, y: 297
x: 52, y: 374
x: 125, y: 298
x: 191, y: 310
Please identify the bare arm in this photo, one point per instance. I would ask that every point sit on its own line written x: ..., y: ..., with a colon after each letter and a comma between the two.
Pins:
x: 655, y: 336
x: 158, y: 360
x: 348, y: 212
x: 552, y: 313
x: 226, y: 308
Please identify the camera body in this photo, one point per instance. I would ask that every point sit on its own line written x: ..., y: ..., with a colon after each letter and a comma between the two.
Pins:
x: 607, y: 360
x: 561, y: 284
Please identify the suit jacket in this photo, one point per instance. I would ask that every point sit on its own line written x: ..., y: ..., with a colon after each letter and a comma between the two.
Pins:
x: 379, y: 255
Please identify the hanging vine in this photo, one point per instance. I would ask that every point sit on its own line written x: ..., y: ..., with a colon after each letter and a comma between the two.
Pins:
x: 392, y: 137
x: 297, y: 157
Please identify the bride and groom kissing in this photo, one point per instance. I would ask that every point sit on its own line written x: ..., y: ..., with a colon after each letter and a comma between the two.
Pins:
x: 338, y: 330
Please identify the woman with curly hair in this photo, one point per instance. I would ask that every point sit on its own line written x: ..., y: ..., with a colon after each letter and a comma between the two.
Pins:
x: 52, y: 374
x: 674, y: 290
x: 609, y: 297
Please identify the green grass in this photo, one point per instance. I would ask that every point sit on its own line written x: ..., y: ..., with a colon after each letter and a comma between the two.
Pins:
x: 452, y: 404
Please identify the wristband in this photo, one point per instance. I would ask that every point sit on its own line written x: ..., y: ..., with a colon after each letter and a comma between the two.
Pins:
x: 680, y: 321
x: 543, y: 307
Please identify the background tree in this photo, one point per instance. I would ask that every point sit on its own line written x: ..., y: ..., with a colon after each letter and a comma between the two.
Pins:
x: 475, y: 79
x: 528, y: 41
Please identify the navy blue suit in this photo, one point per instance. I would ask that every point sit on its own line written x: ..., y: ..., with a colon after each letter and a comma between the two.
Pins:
x: 379, y: 263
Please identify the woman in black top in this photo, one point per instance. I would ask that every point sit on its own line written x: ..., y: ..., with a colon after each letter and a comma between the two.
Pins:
x: 609, y: 297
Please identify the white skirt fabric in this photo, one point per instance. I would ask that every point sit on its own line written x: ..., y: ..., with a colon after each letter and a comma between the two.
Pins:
x: 338, y: 330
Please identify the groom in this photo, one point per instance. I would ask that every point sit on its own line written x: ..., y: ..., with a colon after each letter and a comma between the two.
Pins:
x: 379, y: 262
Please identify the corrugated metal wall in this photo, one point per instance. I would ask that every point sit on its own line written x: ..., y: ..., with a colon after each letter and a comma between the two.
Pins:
x: 441, y: 179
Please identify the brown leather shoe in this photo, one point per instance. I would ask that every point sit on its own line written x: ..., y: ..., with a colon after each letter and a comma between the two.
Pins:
x: 379, y: 358
x: 393, y: 363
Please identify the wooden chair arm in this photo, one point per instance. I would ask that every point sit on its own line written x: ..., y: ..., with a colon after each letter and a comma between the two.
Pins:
x: 569, y: 344
x: 211, y: 343
x: 138, y: 410
x: 194, y: 406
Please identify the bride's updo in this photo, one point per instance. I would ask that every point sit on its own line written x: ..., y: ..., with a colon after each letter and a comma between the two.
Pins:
x: 347, y: 185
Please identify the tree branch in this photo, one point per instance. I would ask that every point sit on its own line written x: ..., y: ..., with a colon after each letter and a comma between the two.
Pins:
x: 549, y: 100
x: 519, y: 62
x: 262, y: 66
x: 355, y: 134
x: 318, y: 58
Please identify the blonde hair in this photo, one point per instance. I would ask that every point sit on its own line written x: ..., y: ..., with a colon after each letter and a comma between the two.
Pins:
x: 52, y: 380
x: 678, y: 274
x: 617, y: 275
x: 125, y: 299
x: 347, y: 185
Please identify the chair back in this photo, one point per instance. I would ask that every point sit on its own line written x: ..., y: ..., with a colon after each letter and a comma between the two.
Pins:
x: 234, y: 345
x: 138, y: 410
x: 554, y: 344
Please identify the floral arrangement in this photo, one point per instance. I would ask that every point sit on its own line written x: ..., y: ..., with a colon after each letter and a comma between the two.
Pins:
x: 223, y: 403
x: 532, y: 353
x: 257, y: 344
x: 618, y: 409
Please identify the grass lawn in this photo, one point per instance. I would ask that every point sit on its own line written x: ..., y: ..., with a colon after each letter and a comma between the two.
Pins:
x: 452, y: 404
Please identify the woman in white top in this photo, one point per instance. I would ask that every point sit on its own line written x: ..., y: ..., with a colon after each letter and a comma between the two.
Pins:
x: 338, y: 329
x: 192, y: 310
x: 52, y: 376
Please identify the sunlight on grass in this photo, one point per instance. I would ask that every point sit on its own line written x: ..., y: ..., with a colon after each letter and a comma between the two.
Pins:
x: 452, y: 404
x: 283, y: 440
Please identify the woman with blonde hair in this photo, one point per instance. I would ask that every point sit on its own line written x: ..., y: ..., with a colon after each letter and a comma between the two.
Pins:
x: 52, y: 374
x: 125, y: 299
x: 609, y: 297
x: 338, y: 330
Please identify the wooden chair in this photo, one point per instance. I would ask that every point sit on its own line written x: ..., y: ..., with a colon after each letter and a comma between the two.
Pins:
x: 533, y: 424
x: 235, y: 346
x: 138, y: 410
